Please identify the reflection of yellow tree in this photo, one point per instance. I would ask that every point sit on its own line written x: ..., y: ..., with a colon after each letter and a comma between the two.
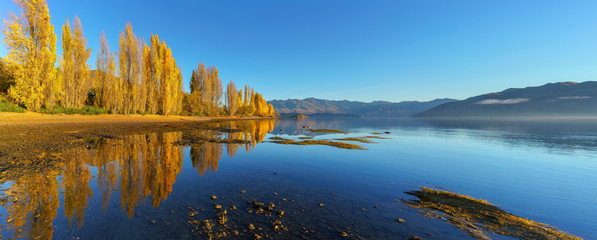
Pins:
x: 143, y: 165
x: 75, y: 183
x: 107, y: 151
x: 231, y: 148
x: 205, y: 156
x: 161, y: 170
x: 251, y: 131
x: 32, y: 206
x: 131, y: 173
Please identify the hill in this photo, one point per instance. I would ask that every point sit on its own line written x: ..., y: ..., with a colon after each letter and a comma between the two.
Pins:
x: 322, y: 107
x: 550, y: 100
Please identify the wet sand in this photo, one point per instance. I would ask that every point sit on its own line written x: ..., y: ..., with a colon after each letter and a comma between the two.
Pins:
x: 33, y: 135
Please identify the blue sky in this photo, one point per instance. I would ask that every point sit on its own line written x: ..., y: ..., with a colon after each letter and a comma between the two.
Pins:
x: 358, y: 50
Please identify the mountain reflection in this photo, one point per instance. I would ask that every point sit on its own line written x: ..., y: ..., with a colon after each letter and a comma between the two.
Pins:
x: 134, y: 168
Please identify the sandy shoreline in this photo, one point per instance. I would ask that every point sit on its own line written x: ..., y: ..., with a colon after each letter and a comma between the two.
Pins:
x: 31, y: 135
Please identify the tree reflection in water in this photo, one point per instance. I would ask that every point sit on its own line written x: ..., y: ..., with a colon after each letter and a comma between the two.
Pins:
x: 75, y: 183
x: 206, y: 155
x: 142, y: 165
x: 136, y: 167
x: 32, y: 205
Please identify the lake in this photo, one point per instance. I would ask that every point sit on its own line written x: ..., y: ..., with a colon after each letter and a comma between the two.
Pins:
x: 236, y: 181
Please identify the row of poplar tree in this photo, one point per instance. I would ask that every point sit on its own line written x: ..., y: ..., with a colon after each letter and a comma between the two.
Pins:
x: 206, y: 90
x: 137, y: 78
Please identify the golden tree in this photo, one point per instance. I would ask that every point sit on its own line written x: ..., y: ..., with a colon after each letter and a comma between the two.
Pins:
x: 206, y: 91
x: 231, y: 98
x: 247, y: 108
x: 106, y: 85
x: 67, y: 65
x: 177, y: 93
x: 271, y: 112
x: 74, y: 68
x: 129, y: 68
x: 215, y: 93
x: 31, y: 45
x: 80, y: 69
x: 199, y: 90
x: 261, y: 108
x: 6, y: 76
x: 239, y: 99
x: 170, y: 82
x: 151, y: 73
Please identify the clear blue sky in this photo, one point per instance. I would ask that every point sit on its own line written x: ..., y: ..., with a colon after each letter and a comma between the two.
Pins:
x: 358, y: 50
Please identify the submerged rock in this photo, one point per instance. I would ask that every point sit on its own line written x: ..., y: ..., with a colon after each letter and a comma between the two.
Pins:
x: 191, y: 214
x: 478, y: 217
x: 280, y: 213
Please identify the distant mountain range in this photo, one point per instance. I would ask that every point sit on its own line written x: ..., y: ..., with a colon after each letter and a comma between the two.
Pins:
x: 330, y: 108
x: 550, y: 100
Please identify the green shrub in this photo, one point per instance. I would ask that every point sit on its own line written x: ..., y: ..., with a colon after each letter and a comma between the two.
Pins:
x: 9, y: 107
x: 91, y: 110
x: 86, y: 110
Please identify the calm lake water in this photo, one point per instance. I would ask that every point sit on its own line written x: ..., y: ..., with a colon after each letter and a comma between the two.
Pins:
x: 149, y: 186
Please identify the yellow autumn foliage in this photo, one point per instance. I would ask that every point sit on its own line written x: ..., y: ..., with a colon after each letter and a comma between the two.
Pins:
x: 31, y: 45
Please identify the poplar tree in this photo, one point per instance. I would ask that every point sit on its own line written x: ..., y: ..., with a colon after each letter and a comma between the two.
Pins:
x: 178, y: 94
x: 216, y: 92
x: 170, y: 81
x: 245, y: 107
x: 79, y: 85
x: 6, y: 77
x: 31, y: 45
x: 129, y: 68
x: 261, y: 108
x: 271, y: 112
x: 247, y: 91
x: 140, y: 101
x: 231, y: 98
x: 252, y: 108
x: 166, y: 75
x: 67, y: 66
x: 206, y: 90
x: 151, y: 73
x: 239, y: 99
x: 106, y: 84
x: 202, y: 88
